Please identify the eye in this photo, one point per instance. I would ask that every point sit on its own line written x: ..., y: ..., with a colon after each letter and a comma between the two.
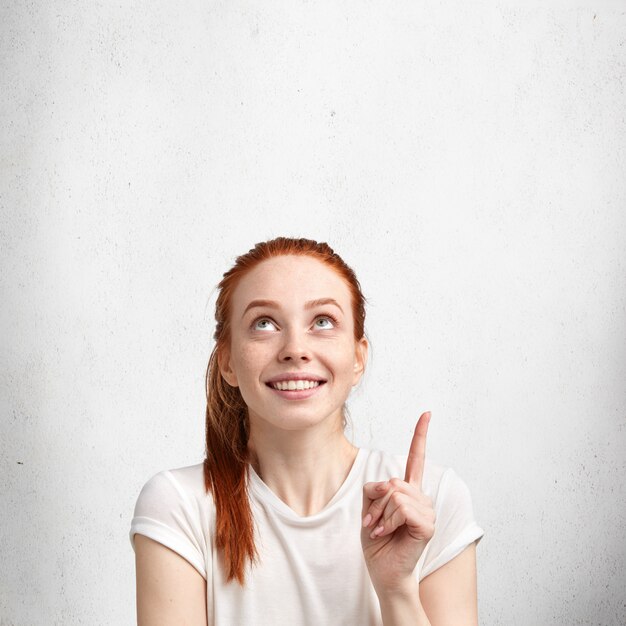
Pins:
x: 262, y: 324
x: 330, y: 321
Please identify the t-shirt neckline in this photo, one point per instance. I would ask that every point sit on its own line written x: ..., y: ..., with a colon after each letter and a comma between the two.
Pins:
x: 267, y: 496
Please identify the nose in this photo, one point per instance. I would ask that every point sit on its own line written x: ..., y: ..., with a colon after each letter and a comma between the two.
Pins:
x: 294, y: 348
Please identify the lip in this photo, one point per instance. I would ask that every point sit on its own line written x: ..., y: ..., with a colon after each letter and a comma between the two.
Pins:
x: 295, y: 376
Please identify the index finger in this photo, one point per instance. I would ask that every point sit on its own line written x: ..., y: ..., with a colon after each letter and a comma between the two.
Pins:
x: 417, y: 452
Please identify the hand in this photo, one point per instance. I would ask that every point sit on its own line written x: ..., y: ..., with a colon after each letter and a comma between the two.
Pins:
x: 398, y: 519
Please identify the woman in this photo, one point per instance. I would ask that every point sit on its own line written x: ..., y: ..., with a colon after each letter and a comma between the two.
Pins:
x: 286, y: 522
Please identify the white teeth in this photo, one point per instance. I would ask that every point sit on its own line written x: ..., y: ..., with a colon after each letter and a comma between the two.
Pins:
x: 293, y: 385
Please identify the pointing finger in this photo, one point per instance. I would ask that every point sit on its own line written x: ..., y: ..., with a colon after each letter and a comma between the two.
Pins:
x: 417, y: 452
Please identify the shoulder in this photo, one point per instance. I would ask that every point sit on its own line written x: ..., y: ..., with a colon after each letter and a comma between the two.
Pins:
x: 183, y: 485
x: 174, y: 508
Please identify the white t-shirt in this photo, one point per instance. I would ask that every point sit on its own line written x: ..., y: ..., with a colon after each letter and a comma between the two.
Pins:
x: 311, y: 569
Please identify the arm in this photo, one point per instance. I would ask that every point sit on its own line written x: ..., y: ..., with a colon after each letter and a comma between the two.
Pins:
x: 404, y: 607
x: 447, y: 597
x: 170, y: 591
x: 449, y: 594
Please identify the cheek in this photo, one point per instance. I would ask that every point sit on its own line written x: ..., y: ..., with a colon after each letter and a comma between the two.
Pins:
x: 246, y: 364
x: 248, y: 359
x: 342, y: 356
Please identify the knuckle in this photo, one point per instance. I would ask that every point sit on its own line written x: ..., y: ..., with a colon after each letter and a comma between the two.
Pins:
x: 396, y: 482
x: 396, y: 498
x: 376, y: 507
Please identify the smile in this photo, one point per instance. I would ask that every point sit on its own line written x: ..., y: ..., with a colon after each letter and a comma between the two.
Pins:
x: 296, y: 389
x: 293, y: 385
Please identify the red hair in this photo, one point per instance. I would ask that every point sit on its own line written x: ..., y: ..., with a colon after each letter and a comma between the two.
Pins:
x: 226, y: 462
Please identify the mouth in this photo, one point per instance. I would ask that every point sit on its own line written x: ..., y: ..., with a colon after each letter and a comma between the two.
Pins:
x: 295, y: 385
x: 296, y: 389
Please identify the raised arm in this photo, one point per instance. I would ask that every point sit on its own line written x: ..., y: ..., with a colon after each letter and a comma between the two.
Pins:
x: 399, y: 521
x: 170, y: 591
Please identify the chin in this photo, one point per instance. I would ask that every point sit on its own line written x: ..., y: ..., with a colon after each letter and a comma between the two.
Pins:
x: 294, y: 419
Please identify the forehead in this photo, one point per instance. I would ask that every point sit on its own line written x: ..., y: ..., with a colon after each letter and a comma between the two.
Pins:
x: 291, y: 280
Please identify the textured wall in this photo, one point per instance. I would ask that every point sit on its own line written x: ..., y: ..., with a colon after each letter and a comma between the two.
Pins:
x: 466, y: 158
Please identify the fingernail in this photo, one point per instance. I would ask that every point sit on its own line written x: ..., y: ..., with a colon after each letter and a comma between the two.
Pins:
x: 382, y: 487
x: 367, y: 520
x: 376, y: 532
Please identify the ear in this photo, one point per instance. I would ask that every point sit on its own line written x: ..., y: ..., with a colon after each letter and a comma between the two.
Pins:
x: 226, y: 370
x: 360, y: 359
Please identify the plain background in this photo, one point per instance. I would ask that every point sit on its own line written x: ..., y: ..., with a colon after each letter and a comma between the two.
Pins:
x: 467, y: 159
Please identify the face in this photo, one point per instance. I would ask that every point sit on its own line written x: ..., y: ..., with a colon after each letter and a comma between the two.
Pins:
x: 292, y: 319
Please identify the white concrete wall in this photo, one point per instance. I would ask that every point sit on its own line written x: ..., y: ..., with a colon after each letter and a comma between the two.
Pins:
x: 467, y: 159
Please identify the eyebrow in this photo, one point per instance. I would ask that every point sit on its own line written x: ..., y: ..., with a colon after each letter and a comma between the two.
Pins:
x: 274, y: 305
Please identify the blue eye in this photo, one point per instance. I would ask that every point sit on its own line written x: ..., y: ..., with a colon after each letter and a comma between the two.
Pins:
x: 261, y: 321
x: 326, y: 319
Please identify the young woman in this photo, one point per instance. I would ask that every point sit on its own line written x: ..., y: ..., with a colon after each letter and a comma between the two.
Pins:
x: 286, y: 522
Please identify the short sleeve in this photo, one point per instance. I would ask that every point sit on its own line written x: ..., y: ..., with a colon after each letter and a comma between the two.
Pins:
x: 165, y: 513
x: 455, y: 526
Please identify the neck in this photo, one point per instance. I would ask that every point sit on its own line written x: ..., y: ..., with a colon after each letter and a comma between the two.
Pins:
x: 304, y: 468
